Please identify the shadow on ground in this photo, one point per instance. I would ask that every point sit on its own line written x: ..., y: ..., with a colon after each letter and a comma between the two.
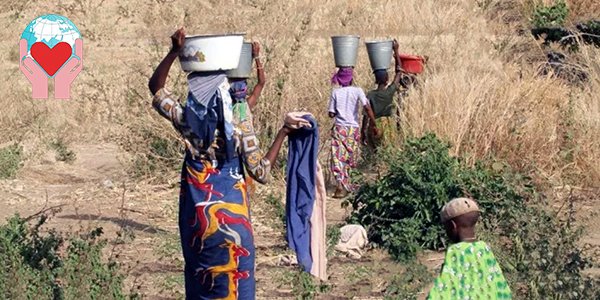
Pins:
x: 123, y: 222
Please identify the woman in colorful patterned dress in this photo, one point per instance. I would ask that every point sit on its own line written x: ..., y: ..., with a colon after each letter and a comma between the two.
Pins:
x: 344, y: 104
x: 214, y: 213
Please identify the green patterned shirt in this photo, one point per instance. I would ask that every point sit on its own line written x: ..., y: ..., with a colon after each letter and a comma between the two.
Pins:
x: 470, y: 272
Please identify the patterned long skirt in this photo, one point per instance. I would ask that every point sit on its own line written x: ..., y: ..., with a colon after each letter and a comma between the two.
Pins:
x: 216, y: 233
x: 344, y: 153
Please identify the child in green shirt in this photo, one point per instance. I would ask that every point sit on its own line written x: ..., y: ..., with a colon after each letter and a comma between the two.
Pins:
x: 470, y: 270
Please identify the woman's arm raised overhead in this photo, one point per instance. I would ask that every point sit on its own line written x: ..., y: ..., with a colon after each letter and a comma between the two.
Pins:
x: 398, y: 64
x: 159, y: 77
x: 260, y: 73
x: 165, y: 103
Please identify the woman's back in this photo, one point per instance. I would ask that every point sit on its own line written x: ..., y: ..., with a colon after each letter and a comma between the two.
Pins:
x: 345, y: 103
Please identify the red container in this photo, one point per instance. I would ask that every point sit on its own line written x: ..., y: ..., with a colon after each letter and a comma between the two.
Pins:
x: 412, y: 64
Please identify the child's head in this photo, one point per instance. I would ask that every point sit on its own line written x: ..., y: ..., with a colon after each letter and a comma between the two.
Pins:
x: 238, y: 89
x: 459, y: 217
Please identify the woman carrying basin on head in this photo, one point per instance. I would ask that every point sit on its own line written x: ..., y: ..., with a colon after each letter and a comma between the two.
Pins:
x: 239, y: 85
x: 214, y: 213
x: 242, y: 109
x: 382, y: 102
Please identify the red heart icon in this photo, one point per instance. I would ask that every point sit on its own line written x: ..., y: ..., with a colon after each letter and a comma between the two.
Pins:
x: 51, y: 59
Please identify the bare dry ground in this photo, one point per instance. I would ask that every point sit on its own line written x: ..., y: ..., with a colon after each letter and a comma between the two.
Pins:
x: 480, y: 92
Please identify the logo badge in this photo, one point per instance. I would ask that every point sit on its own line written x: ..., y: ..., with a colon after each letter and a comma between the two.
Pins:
x: 51, y: 48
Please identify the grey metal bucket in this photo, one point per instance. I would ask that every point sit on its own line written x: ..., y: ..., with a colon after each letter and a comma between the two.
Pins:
x: 345, y: 50
x: 380, y: 54
x: 245, y: 65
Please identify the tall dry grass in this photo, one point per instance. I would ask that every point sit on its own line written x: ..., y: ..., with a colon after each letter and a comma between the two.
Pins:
x: 470, y: 94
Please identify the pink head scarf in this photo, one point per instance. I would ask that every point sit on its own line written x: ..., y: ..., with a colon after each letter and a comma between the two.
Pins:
x: 343, y: 76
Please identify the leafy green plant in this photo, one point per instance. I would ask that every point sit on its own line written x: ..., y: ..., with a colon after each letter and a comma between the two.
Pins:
x: 542, y: 259
x: 49, y: 265
x: 161, y: 154
x: 401, y: 209
x: 538, y: 251
x: 277, y: 209
x: 10, y: 161
x: 305, y: 286
x: 550, y: 16
x: 409, y: 284
x: 333, y: 236
x: 359, y: 274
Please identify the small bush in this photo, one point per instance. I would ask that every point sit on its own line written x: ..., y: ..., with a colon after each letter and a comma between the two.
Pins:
x: 541, y: 257
x: 409, y: 284
x: 276, y: 209
x: 157, y: 154
x: 550, y: 16
x: 305, y: 286
x: 10, y: 161
x: 332, y: 234
x: 401, y: 209
x: 62, y: 152
x: 50, y: 265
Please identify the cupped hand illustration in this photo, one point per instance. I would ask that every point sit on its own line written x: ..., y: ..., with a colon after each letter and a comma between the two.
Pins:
x: 34, y: 73
x: 67, y: 73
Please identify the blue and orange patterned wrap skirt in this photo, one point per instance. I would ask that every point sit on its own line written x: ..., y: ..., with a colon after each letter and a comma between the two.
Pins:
x: 216, y: 233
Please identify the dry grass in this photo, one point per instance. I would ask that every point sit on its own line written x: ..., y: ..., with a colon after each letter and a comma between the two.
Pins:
x: 480, y: 91
x: 583, y: 10
x: 470, y: 95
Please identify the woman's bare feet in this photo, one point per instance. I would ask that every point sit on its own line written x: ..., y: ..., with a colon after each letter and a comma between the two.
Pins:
x: 340, y: 192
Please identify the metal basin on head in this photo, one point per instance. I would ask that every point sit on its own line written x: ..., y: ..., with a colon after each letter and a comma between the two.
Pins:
x: 345, y: 50
x: 213, y: 52
x: 380, y: 54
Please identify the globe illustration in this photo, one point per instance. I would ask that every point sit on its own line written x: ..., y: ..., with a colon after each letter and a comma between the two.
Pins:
x: 51, y: 30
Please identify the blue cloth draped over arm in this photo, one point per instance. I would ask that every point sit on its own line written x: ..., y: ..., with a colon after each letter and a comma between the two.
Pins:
x: 301, y: 176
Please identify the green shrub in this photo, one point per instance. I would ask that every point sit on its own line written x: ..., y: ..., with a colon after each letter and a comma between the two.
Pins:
x: 541, y: 257
x: 10, y: 161
x: 409, y: 284
x: 305, y: 286
x: 49, y: 265
x: 159, y: 154
x: 333, y: 235
x: 537, y: 250
x: 276, y: 210
x: 550, y: 16
x: 401, y: 209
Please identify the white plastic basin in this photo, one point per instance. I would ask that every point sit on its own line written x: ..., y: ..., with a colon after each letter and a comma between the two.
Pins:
x: 202, y: 53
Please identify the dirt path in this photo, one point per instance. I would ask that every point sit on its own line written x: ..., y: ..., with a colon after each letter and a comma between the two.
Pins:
x: 94, y: 191
x: 140, y: 220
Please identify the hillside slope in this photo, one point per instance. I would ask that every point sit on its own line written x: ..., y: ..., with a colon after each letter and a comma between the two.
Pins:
x: 478, y: 92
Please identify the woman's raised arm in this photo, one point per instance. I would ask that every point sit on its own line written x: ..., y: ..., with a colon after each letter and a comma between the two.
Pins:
x: 159, y: 77
x: 260, y: 72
